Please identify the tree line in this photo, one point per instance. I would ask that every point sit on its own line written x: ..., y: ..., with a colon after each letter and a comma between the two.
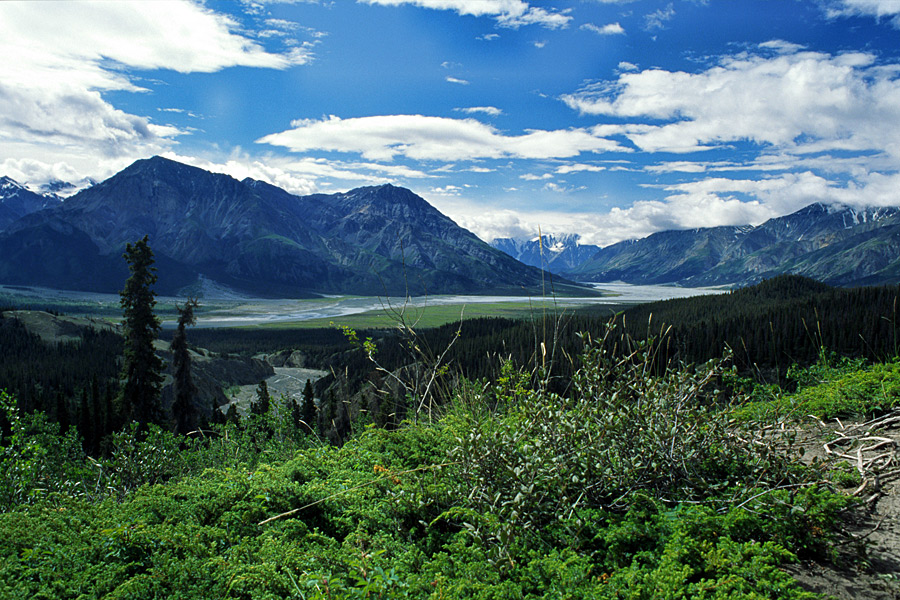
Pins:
x: 103, y: 381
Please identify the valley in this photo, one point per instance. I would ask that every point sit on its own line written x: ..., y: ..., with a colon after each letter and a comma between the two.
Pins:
x: 238, y: 310
x: 450, y: 299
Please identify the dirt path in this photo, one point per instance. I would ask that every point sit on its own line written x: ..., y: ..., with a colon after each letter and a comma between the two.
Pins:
x: 873, y: 450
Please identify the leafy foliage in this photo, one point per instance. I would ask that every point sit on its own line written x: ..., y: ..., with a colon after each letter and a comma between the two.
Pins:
x: 620, y: 474
x: 637, y: 485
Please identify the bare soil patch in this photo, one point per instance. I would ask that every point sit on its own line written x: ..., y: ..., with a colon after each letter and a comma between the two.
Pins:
x: 869, y: 561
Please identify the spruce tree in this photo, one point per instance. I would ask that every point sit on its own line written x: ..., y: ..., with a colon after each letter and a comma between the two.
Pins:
x: 142, y: 369
x: 183, y: 408
x: 263, y: 402
x: 62, y: 412
x: 308, y: 409
x: 86, y: 423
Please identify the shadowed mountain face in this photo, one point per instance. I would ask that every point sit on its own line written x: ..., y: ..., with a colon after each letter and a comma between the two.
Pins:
x: 252, y: 236
x: 839, y: 245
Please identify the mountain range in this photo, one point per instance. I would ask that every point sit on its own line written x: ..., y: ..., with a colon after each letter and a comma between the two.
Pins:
x: 554, y: 253
x: 208, y: 228
x: 16, y: 201
x: 835, y: 244
x: 250, y: 236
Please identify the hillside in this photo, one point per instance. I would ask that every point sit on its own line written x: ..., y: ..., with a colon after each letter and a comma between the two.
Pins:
x: 253, y: 237
x: 504, y: 493
x: 839, y: 245
x: 48, y: 357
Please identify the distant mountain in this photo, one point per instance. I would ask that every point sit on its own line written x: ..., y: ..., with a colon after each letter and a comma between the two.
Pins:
x: 556, y: 254
x: 16, y: 201
x: 839, y: 245
x: 253, y: 237
x: 64, y: 189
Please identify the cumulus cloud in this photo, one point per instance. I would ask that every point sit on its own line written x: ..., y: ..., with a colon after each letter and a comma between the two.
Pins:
x: 35, y: 173
x: 722, y: 201
x: 610, y: 29
x: 421, y: 137
x: 507, y: 13
x: 707, y: 202
x: 490, y: 223
x: 59, y: 58
x: 304, y: 175
x: 778, y: 97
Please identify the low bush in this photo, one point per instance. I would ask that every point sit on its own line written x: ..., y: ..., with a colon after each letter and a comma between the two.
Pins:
x: 639, y: 484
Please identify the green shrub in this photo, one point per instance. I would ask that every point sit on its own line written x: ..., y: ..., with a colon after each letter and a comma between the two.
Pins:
x: 849, y: 389
x: 625, y: 430
x: 638, y: 484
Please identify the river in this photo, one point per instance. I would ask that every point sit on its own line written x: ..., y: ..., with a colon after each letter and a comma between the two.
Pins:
x: 262, y: 311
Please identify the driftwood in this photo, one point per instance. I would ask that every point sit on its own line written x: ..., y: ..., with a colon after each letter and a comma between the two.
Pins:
x: 874, y: 455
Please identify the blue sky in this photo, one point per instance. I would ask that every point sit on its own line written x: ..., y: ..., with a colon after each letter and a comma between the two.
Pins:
x: 607, y: 118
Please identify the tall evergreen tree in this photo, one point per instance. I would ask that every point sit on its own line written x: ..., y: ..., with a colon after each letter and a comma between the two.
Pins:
x: 62, y: 412
x: 184, y: 409
x: 263, y: 401
x: 142, y: 370
x: 86, y: 422
x: 308, y: 409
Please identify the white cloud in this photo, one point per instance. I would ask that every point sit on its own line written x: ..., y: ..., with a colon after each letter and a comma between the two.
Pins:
x: 627, y: 66
x: 488, y: 37
x: 455, y: 80
x: 556, y: 188
x: 491, y: 111
x: 579, y: 168
x: 659, y: 18
x: 59, y: 57
x: 421, y: 137
x: 798, y: 102
x: 447, y: 190
x: 719, y: 201
x: 492, y: 222
x: 610, y: 29
x: 507, y: 13
x: 35, y: 173
x: 708, y: 202
x: 304, y: 175
x: 874, y: 8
